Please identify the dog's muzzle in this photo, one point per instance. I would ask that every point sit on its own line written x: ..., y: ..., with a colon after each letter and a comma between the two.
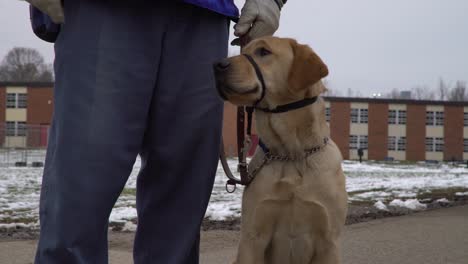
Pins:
x: 220, y: 67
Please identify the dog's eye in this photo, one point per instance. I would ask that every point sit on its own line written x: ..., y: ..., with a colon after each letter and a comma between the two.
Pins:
x: 262, y: 52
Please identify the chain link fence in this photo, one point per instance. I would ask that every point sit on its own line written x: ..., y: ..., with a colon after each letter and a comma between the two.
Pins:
x: 22, y: 144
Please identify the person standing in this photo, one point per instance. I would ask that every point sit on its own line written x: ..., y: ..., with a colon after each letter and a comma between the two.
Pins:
x: 135, y: 77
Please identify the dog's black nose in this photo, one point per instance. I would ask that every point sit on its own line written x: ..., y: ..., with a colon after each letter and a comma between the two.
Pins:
x: 222, y: 65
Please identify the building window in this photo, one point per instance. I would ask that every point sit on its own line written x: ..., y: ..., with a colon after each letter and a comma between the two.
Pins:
x: 397, y: 117
x: 439, y: 144
x: 354, y: 115
x: 397, y: 143
x: 434, y: 118
x: 429, y: 118
x: 402, y: 117
x: 11, y: 100
x: 16, y: 100
x: 359, y: 115
x: 21, y: 129
x: 434, y: 144
x: 363, y: 142
x: 364, y: 116
x: 439, y: 118
x: 392, y: 116
x: 465, y: 118
x: 22, y: 100
x: 353, y: 142
x: 357, y: 142
x: 327, y: 114
x: 16, y: 128
x: 401, y: 144
x: 391, y: 143
x: 465, y: 145
x: 10, y: 128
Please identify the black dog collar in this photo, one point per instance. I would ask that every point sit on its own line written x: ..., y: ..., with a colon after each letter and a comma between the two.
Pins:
x: 281, y: 108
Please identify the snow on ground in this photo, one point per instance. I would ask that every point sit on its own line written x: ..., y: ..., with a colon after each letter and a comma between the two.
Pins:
x: 443, y: 201
x: 381, y: 206
x: 411, y: 204
x: 374, y: 183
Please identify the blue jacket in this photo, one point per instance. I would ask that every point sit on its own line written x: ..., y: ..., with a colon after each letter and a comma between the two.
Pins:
x: 45, y: 29
x: 224, y: 7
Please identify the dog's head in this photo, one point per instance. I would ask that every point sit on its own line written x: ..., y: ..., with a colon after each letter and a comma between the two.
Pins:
x: 290, y: 72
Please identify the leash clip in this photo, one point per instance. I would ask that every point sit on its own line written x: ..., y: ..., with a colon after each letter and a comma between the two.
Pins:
x: 231, y: 190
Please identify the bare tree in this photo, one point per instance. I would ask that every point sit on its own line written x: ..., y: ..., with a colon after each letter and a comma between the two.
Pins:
x: 393, y: 94
x: 25, y: 65
x: 458, y: 93
x: 422, y: 92
x: 443, y: 90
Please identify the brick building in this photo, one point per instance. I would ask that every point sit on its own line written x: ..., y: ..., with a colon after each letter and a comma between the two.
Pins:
x: 25, y: 114
x: 389, y: 128
x: 384, y: 128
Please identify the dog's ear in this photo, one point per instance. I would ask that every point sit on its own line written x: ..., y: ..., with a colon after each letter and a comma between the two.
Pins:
x: 306, y: 69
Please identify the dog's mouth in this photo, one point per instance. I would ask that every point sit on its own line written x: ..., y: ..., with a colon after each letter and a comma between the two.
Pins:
x: 231, y: 90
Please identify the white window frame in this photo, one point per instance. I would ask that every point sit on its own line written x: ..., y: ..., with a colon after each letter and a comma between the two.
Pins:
x: 439, y: 144
x: 359, y: 115
x: 396, y: 143
x: 358, y: 141
x: 16, y: 100
x: 401, y: 144
x: 16, y: 129
x: 434, y: 118
x: 434, y: 144
x: 401, y: 117
x: 353, y: 142
x: 465, y: 145
x: 396, y: 117
x: 391, y: 145
x: 392, y: 117
x: 439, y: 118
x: 354, y: 115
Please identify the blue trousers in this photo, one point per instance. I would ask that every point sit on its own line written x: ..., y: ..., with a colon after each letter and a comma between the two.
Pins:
x: 132, y: 77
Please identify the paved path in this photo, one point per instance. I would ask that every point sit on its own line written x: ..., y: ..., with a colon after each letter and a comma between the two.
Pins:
x: 434, y: 237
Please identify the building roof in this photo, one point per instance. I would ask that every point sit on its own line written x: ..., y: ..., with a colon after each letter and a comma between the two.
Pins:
x: 327, y: 98
x: 394, y: 101
x: 27, y: 84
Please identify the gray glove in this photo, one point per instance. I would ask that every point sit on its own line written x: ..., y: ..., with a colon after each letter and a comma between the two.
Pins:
x: 258, y: 18
x: 53, y: 8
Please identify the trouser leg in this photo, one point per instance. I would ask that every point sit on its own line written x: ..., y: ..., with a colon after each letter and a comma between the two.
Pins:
x: 182, y: 142
x: 105, y: 75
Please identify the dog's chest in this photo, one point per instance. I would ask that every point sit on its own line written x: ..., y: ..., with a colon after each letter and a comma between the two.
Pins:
x: 286, y: 190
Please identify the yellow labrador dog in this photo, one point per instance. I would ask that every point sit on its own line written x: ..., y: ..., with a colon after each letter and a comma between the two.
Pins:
x: 294, y: 209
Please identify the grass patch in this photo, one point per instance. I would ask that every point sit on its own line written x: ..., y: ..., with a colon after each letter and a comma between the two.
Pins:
x: 366, y: 191
x: 448, y: 193
x: 22, y: 220
x: 129, y: 192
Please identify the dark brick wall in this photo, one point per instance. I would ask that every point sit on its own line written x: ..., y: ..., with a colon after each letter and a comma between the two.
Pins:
x: 453, y: 132
x: 416, y: 132
x: 39, y: 115
x: 340, y: 121
x: 378, y: 131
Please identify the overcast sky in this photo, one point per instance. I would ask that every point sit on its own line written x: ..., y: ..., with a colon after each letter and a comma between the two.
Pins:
x: 369, y: 45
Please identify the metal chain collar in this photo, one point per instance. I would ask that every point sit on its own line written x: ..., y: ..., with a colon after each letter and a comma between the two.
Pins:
x: 285, y: 158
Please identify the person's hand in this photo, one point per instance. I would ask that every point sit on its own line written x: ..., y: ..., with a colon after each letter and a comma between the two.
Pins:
x: 53, y: 8
x: 258, y: 18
